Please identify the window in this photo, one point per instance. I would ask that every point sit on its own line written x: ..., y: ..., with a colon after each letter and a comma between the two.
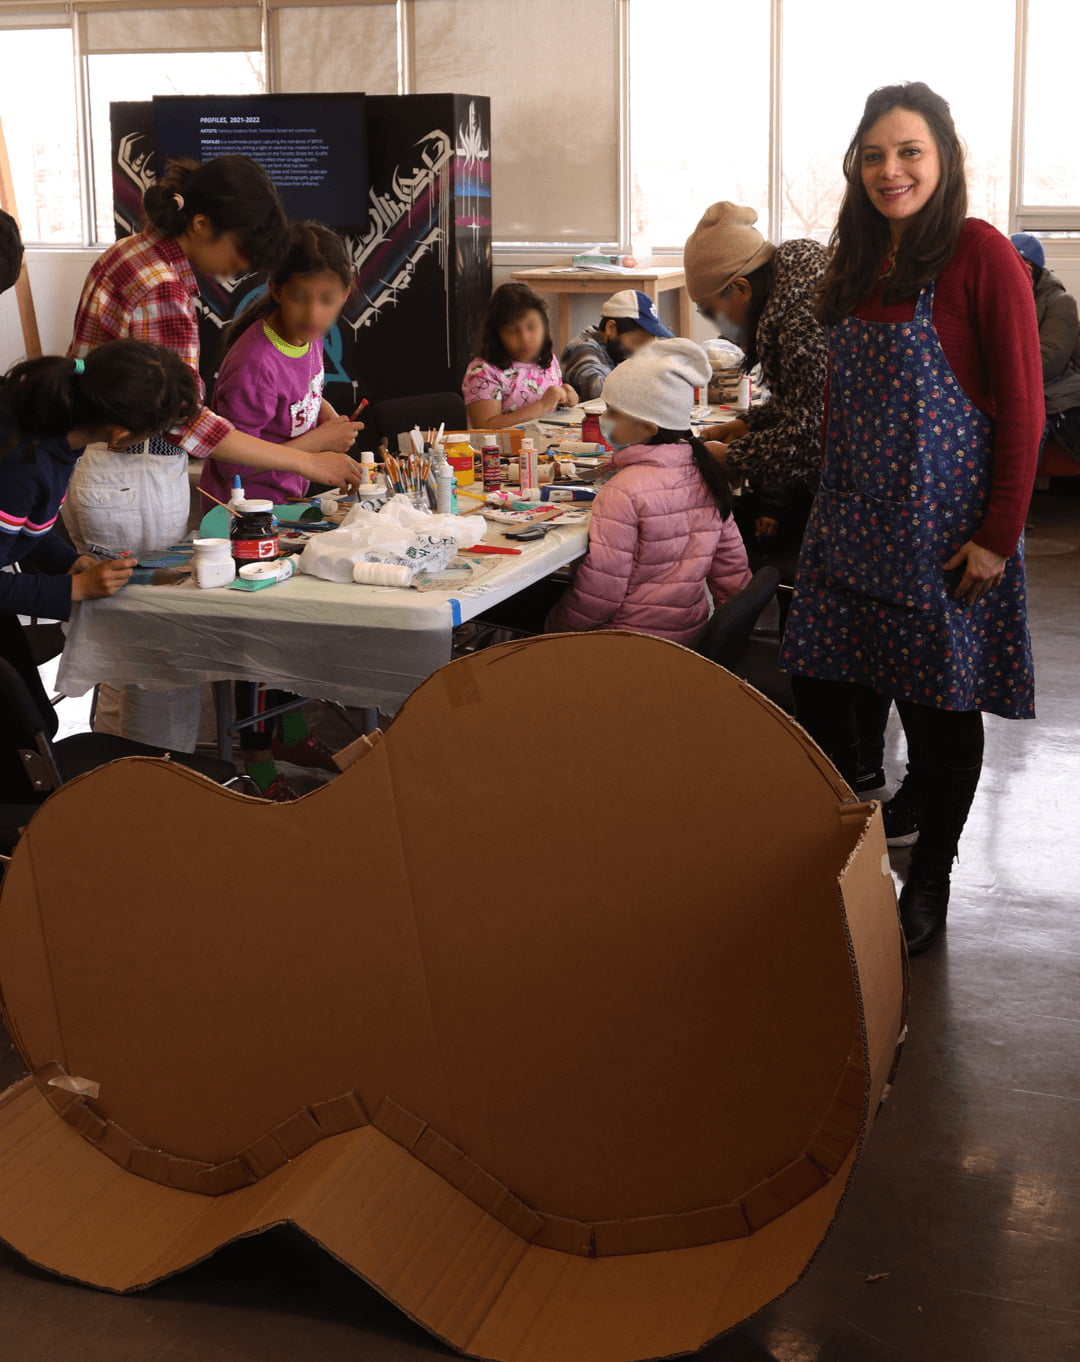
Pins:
x: 699, y: 114
x: 551, y: 69
x: 832, y: 59
x: 1051, y: 166
x: 40, y: 129
x: 142, y: 75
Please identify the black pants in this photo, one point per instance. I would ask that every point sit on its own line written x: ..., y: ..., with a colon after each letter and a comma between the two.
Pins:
x: 939, y: 740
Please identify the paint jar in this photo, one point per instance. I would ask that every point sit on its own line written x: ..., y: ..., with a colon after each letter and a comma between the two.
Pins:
x: 212, y: 563
x: 254, y: 532
x: 461, y: 458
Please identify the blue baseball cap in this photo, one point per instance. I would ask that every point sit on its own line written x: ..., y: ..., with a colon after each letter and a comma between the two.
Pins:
x: 1030, y: 247
x: 637, y: 307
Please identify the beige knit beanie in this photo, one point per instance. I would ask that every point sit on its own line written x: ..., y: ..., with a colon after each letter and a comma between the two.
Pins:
x: 724, y: 245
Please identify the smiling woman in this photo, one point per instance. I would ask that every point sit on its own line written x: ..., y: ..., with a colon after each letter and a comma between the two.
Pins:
x: 911, y: 583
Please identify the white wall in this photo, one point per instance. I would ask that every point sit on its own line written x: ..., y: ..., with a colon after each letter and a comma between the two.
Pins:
x: 56, y: 280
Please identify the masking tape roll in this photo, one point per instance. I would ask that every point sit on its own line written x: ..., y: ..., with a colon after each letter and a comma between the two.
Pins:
x: 382, y: 574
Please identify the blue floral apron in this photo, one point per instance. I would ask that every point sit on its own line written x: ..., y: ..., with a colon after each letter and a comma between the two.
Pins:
x: 905, y: 483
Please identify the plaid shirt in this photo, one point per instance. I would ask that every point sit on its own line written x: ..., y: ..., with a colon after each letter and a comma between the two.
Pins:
x: 144, y: 288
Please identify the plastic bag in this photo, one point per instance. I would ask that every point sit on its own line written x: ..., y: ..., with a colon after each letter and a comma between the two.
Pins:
x: 399, y: 534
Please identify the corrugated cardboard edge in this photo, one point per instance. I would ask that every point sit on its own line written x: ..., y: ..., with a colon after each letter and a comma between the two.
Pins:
x: 426, y: 1247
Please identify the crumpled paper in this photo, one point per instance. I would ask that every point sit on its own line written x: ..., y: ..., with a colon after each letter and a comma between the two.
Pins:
x: 399, y: 534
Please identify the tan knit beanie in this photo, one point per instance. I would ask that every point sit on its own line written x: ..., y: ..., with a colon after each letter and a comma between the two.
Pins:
x: 724, y: 245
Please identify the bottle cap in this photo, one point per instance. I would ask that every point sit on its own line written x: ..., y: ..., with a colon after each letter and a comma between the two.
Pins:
x: 254, y: 507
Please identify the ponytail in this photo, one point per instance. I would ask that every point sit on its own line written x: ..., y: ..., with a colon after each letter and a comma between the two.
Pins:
x: 233, y: 192
x: 713, y: 473
x: 310, y: 248
x: 126, y: 383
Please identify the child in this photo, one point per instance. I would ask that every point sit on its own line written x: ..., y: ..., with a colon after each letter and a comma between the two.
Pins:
x: 271, y: 385
x: 221, y: 218
x: 662, y: 527
x: 49, y: 409
x: 271, y: 380
x: 629, y: 321
x: 516, y: 376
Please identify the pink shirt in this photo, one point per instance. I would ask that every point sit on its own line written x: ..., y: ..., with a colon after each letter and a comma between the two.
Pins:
x: 513, y: 388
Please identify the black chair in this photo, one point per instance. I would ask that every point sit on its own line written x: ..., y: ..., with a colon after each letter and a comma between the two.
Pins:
x: 32, y: 766
x: 384, y: 421
x: 729, y: 630
x: 730, y: 639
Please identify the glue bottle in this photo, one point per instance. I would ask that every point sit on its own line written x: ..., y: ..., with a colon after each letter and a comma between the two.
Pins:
x: 445, y: 496
x: 237, y: 497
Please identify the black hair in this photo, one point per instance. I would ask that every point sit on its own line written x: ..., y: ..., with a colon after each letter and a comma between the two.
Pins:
x: 508, y: 303
x: 712, y: 471
x: 233, y: 192
x: 622, y: 325
x: 128, y: 383
x: 862, y: 237
x: 310, y: 248
x: 761, y: 282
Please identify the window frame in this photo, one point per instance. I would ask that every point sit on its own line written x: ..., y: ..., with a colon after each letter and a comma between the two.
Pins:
x: 52, y: 14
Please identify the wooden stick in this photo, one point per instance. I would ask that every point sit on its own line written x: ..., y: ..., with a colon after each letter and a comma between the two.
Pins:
x: 231, y: 509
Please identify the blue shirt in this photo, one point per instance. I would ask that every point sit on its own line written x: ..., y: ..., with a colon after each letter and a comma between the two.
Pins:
x: 34, y: 476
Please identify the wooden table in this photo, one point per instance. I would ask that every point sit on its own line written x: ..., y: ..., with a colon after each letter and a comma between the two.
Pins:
x: 567, y: 283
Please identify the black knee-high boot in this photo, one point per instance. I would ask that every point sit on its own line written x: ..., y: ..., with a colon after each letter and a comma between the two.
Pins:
x: 952, y: 763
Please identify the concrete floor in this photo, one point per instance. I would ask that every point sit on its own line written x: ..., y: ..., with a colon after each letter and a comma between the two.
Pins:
x: 966, y: 1206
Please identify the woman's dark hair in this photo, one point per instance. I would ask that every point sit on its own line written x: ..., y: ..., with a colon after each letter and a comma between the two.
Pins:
x: 508, y: 303
x: 761, y: 282
x: 712, y: 471
x: 128, y: 383
x: 234, y: 193
x: 310, y: 248
x: 861, y: 239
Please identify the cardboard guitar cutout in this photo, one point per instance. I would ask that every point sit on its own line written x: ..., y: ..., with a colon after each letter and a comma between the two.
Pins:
x: 560, y: 1017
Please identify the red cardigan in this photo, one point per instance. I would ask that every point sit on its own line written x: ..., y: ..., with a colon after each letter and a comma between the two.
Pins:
x: 984, y: 313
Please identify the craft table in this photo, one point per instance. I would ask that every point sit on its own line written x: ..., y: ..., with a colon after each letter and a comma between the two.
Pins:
x: 357, y: 645
x: 567, y: 283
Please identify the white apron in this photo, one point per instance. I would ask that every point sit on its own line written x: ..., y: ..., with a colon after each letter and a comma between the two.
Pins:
x: 134, y: 502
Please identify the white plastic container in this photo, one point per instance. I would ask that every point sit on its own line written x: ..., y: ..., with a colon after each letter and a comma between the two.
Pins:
x: 212, y: 563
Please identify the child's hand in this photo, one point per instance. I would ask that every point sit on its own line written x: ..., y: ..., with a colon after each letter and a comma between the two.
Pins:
x: 550, y: 399
x: 84, y: 561
x: 103, y: 579
x: 569, y: 398
x: 335, y: 470
x: 336, y: 435
x: 765, y: 527
x: 717, y: 450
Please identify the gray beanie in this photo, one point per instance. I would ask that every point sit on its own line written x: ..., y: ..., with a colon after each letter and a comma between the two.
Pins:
x: 657, y: 384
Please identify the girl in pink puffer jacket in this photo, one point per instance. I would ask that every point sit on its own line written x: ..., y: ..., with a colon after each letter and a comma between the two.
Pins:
x: 662, y: 527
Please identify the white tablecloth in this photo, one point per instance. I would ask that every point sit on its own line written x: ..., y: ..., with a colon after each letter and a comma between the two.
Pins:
x: 357, y: 645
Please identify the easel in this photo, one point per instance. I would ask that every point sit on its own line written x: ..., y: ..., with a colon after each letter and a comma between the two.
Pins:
x: 23, y: 296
